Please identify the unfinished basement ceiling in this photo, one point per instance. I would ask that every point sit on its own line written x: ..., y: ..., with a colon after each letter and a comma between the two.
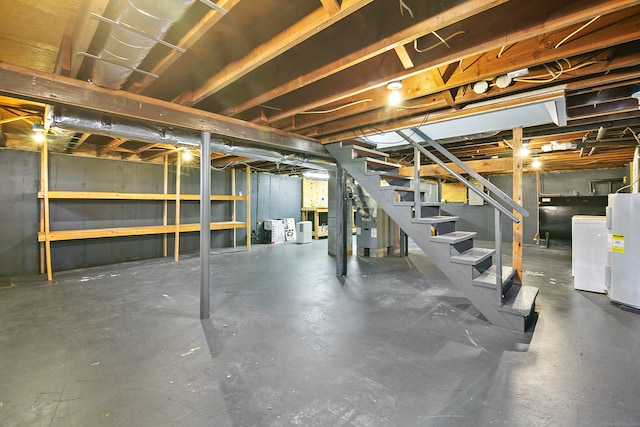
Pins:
x: 320, y: 68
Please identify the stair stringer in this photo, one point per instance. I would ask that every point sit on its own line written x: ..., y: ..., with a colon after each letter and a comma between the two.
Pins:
x: 461, y: 275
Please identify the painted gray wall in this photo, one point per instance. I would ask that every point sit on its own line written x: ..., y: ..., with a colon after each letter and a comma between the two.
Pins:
x: 275, y: 196
x: 481, y: 218
x: 19, y: 212
x: 272, y: 197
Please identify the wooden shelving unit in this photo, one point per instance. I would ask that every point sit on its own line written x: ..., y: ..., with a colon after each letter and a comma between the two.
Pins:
x: 46, y: 235
x: 313, y: 214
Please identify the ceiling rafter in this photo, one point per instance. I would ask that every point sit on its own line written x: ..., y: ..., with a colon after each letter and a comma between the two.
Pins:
x: 188, y: 40
x: 490, y: 35
x: 300, y: 31
x: 398, y: 36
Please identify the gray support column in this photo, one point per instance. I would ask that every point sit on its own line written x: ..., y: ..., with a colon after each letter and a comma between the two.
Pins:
x: 342, y: 207
x: 205, y: 219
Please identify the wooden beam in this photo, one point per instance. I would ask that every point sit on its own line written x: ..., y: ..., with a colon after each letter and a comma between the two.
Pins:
x: 141, y: 150
x: 35, y: 85
x: 517, y: 197
x: 492, y: 166
x: 111, y: 145
x: 96, y: 233
x: 84, y: 31
x: 302, y: 30
x: 544, y: 19
x: 187, y: 41
x: 397, y: 35
x: 404, y: 57
x: 331, y: 6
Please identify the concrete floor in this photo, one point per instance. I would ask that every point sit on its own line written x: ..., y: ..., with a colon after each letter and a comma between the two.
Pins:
x: 288, y: 343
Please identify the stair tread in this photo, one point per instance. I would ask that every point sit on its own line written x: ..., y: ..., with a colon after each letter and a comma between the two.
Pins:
x: 411, y: 203
x: 473, y: 256
x: 454, y: 237
x: 368, y: 152
x: 381, y: 163
x: 390, y: 176
x: 433, y: 219
x: 488, y: 277
x: 519, y: 299
x: 396, y: 188
x: 357, y: 143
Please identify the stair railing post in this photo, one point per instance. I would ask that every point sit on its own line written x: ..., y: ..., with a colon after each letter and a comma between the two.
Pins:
x: 498, y: 255
x: 416, y: 183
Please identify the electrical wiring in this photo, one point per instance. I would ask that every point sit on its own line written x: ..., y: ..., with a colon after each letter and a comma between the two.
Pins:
x: 556, y: 75
x: 403, y: 6
x: 441, y: 41
x: 576, y: 31
x: 635, y: 136
x: 333, y: 110
x: 628, y: 186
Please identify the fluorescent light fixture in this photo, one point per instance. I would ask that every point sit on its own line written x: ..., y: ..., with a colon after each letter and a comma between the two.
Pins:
x: 315, y: 174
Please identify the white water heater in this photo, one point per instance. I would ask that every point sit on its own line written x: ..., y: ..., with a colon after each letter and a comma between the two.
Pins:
x: 623, y: 257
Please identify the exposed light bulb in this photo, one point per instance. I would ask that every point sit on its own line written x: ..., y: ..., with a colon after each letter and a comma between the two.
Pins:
x: 395, y: 97
x: 524, y: 152
x: 187, y: 155
x: 39, y: 137
x: 536, y: 163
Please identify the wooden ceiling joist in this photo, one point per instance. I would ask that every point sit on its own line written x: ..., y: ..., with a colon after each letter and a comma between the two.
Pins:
x: 58, y: 90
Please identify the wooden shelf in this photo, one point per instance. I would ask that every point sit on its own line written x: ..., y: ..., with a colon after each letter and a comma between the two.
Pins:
x: 104, y: 195
x: 316, y: 233
x: 95, y: 233
x: 46, y: 235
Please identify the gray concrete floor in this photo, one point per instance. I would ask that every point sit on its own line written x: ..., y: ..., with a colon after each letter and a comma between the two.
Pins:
x: 288, y: 343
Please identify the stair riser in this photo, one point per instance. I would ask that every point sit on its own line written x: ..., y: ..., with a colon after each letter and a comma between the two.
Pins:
x: 490, y: 293
x: 460, y: 273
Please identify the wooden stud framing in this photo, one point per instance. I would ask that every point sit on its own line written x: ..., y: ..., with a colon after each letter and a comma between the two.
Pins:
x: 165, y: 203
x: 44, y: 183
x: 233, y: 205
x: 517, y: 197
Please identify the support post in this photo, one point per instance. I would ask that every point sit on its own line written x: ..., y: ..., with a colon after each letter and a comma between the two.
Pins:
x: 176, y: 250
x: 416, y: 183
x: 44, y: 184
x: 165, y: 203
x: 342, y: 206
x: 205, y: 219
x: 248, y: 204
x: 517, y: 197
x: 233, y: 204
x: 498, y: 255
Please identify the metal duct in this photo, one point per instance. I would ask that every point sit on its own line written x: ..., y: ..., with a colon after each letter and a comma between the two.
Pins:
x: 127, y: 48
x: 96, y: 123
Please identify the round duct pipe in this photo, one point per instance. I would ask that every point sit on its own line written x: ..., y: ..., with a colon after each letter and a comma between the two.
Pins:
x: 128, y: 48
x: 96, y: 123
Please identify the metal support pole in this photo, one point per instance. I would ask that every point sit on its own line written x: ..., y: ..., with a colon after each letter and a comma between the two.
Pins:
x: 498, y: 255
x: 416, y: 183
x: 342, y: 213
x: 205, y: 220
x: 404, y: 243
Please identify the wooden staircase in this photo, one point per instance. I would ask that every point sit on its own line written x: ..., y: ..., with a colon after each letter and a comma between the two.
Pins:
x: 471, y: 269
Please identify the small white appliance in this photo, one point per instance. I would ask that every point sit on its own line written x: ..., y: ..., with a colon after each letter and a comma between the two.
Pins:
x: 589, y: 252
